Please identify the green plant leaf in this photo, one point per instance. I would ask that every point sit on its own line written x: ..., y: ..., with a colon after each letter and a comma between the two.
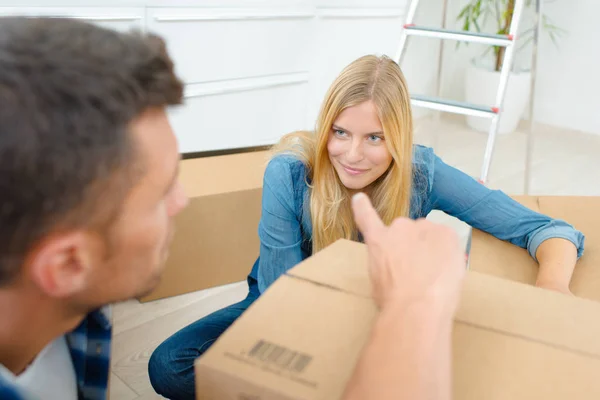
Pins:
x: 464, y: 11
x: 477, y: 10
x: 476, y: 14
x: 553, y: 38
x: 524, y: 44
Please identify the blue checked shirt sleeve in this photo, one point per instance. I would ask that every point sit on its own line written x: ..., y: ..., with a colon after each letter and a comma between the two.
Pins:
x: 492, y: 211
x: 10, y: 392
x: 90, y: 344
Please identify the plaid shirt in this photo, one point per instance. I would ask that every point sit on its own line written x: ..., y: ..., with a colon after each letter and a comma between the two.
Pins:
x: 89, y: 345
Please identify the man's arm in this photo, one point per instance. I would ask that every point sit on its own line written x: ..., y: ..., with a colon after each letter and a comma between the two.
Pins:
x: 407, y: 357
x: 416, y: 268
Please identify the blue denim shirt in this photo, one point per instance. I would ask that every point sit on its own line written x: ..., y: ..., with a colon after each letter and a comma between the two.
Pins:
x: 285, y: 227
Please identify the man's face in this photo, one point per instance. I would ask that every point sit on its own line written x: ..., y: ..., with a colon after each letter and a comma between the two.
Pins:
x: 138, y: 242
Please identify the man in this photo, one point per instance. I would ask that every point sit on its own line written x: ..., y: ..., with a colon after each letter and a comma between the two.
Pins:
x: 88, y: 192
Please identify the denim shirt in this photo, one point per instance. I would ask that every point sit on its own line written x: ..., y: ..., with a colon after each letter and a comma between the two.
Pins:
x: 285, y: 228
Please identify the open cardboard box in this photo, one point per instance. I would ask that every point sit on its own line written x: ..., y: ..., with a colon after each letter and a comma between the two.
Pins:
x: 216, y: 239
x: 502, y: 259
x: 303, y: 337
x: 224, y: 212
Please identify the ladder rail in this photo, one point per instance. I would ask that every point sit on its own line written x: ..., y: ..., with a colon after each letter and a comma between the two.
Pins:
x: 508, y: 43
x: 410, y: 16
x: 505, y: 70
x: 534, y: 63
x: 465, y: 108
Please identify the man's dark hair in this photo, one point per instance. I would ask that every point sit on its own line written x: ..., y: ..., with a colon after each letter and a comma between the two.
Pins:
x: 68, y: 94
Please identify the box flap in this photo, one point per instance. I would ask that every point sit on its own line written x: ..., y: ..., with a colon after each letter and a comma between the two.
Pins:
x: 342, y: 266
x: 200, y: 256
x: 490, y: 303
x: 495, y: 257
x: 531, y: 313
x: 531, y: 202
x: 583, y: 213
x: 223, y: 174
x: 502, y: 259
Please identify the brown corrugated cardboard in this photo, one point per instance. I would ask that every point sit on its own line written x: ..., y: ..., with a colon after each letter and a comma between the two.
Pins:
x: 302, y: 338
x: 495, y: 257
x: 223, y: 214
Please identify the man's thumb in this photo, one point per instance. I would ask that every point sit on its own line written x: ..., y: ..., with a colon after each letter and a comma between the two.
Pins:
x: 367, y: 219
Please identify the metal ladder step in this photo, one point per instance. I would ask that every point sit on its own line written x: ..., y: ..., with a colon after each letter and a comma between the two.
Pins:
x: 462, y: 36
x: 453, y: 106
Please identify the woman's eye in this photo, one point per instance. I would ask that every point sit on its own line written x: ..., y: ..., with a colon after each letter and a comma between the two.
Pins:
x: 375, y: 138
x: 339, y: 132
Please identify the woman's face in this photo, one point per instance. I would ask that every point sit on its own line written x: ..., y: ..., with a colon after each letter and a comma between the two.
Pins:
x: 357, y: 148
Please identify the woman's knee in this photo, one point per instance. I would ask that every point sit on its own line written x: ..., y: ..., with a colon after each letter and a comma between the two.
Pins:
x: 158, y: 368
x: 171, y: 365
x: 171, y: 371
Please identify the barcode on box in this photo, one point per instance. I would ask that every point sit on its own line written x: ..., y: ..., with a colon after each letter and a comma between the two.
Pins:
x: 280, y: 356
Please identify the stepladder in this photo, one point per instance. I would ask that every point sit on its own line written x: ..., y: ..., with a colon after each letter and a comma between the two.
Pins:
x: 493, y: 112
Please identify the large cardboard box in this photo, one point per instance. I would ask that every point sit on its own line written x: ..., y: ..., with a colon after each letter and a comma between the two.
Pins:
x: 495, y: 257
x: 216, y: 239
x: 303, y: 337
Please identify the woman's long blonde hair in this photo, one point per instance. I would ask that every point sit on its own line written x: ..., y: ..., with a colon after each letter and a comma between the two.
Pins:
x: 369, y: 78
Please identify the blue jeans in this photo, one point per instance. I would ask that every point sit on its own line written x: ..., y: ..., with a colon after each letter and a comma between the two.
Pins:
x: 171, y: 366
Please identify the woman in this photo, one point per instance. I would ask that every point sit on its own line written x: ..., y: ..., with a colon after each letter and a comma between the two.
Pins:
x: 363, y: 142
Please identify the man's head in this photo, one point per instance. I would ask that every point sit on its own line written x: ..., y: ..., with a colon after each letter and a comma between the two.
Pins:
x: 88, y: 160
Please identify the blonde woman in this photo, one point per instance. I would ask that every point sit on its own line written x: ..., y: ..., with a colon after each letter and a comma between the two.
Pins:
x: 363, y: 143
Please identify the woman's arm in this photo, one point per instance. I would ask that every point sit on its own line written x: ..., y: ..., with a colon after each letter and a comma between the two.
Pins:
x: 492, y: 211
x: 557, y: 259
x: 279, y: 227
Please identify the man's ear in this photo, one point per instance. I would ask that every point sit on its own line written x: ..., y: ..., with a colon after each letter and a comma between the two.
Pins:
x: 61, y: 265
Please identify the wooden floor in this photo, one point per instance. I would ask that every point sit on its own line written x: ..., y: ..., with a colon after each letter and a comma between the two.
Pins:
x: 564, y: 163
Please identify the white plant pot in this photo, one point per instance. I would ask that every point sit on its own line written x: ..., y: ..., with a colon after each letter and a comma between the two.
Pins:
x: 481, y: 87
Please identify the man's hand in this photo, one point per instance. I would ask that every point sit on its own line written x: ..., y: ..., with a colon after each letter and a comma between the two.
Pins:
x: 416, y: 269
x: 410, y: 260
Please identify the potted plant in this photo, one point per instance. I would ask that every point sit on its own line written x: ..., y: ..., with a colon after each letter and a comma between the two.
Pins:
x: 483, y: 73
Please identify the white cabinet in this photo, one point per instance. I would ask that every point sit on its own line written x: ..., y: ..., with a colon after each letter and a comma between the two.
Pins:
x: 254, y: 69
x: 121, y: 19
x: 254, y: 115
x: 223, y: 44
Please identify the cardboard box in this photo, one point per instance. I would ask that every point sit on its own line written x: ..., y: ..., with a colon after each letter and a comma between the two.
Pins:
x: 303, y: 337
x: 216, y: 239
x: 492, y: 256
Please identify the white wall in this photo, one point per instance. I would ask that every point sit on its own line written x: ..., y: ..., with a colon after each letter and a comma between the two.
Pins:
x: 568, y: 86
x: 568, y: 93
